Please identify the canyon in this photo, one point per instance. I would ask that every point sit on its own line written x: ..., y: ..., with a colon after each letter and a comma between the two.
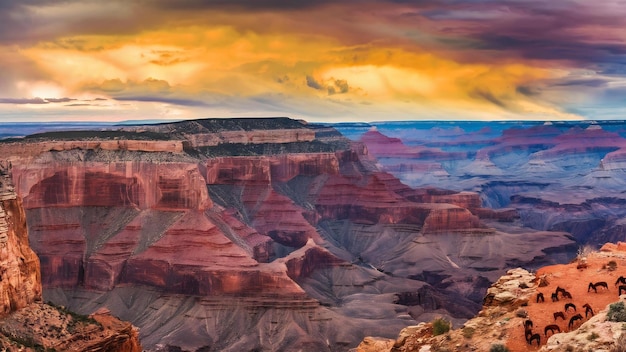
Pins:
x: 561, y: 176
x: 277, y: 234
x: 27, y: 324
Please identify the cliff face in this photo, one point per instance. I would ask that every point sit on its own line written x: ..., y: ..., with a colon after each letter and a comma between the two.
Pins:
x: 265, y: 232
x: 28, y: 324
x: 20, y: 282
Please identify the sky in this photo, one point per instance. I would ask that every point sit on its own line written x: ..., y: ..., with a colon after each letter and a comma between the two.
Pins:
x: 334, y: 61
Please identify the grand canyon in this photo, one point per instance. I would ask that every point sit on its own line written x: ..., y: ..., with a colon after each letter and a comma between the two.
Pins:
x: 274, y: 234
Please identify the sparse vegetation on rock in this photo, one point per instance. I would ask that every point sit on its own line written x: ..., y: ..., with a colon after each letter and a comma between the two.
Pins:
x: 617, y: 312
x: 498, y: 347
x: 468, y: 332
x: 440, y: 326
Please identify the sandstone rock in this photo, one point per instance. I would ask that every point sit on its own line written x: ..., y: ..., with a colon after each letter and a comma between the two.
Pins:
x: 375, y: 344
x: 20, y: 282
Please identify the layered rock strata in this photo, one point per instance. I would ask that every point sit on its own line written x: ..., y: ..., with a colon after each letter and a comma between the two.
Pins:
x: 26, y: 324
x: 250, y: 238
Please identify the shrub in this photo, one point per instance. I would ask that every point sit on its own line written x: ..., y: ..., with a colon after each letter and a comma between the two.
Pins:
x: 440, y: 326
x: 498, y: 347
x: 468, y: 332
x: 592, y: 336
x: 617, y: 312
x: 611, y: 265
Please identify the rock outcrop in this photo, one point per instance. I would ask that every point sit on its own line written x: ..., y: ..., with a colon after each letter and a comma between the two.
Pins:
x: 20, y: 282
x: 513, y: 300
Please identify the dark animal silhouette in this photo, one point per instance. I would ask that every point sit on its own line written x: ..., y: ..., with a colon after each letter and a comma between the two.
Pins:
x: 551, y: 328
x: 540, y: 297
x: 601, y: 284
x: 588, y: 309
x: 535, y: 337
x: 527, y: 334
x: 568, y: 305
x: 621, y: 287
x: 559, y: 289
x: 558, y: 314
x: 528, y: 324
x: 555, y: 297
x: 573, y: 320
x: 592, y: 287
x: 566, y: 294
x: 620, y: 280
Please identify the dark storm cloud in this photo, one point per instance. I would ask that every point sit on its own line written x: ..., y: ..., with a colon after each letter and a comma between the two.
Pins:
x: 244, y: 4
x: 563, y: 30
x: 32, y: 21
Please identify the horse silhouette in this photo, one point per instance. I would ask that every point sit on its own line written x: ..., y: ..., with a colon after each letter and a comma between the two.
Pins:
x: 540, y: 297
x: 558, y: 314
x: 528, y: 324
x: 551, y: 328
x: 568, y: 305
x: 588, y: 309
x: 573, y: 320
x: 535, y: 337
x: 555, y: 296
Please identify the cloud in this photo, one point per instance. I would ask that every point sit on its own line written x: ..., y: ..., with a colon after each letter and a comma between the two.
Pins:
x: 36, y: 101
x: 488, y: 96
x: 21, y: 101
x: 161, y: 99
x: 312, y: 83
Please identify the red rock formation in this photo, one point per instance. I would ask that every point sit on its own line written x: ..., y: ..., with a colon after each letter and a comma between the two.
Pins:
x: 20, y: 282
x: 143, y: 185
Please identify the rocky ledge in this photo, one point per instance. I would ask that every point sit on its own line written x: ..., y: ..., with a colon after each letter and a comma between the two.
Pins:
x: 513, y: 301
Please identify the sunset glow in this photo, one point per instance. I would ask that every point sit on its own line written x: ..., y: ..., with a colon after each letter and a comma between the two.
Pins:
x: 354, y: 61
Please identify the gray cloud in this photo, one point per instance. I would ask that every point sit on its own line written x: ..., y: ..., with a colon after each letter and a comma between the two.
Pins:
x: 311, y: 82
x: 37, y: 100
x: 488, y: 96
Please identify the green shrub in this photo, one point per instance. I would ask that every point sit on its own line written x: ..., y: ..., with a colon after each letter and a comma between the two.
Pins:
x: 440, y: 326
x: 592, y: 336
x: 617, y: 312
x: 498, y: 347
x: 468, y: 332
x: 612, y: 265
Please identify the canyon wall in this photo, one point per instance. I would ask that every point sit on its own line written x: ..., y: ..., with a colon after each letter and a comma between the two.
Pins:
x: 25, y: 322
x: 249, y: 237
x: 20, y: 282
